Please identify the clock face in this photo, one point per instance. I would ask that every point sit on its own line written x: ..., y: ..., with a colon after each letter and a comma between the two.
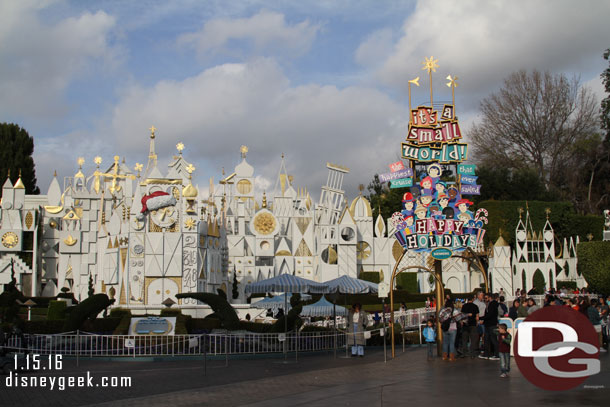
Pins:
x: 264, y: 223
x: 10, y: 240
x: 164, y: 217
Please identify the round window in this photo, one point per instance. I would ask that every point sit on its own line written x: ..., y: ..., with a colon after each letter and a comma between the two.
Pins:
x: 347, y: 234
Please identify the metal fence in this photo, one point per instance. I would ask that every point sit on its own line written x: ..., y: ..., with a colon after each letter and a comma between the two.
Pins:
x: 84, y: 344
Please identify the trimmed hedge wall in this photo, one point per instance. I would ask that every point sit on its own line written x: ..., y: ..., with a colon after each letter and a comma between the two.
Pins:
x: 594, y: 265
x: 564, y: 220
x: 407, y: 282
x: 570, y: 285
x: 57, y: 310
x: 372, y: 276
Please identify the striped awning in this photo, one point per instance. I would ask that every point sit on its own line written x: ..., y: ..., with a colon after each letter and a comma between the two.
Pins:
x: 350, y: 285
x: 322, y: 308
x: 287, y: 283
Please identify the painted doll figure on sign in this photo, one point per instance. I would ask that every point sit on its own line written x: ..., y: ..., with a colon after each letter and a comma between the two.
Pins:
x: 462, y: 206
x: 440, y: 189
x: 434, y: 172
x: 408, y: 204
x: 426, y: 186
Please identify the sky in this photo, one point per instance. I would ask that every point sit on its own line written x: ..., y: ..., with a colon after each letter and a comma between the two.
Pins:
x: 318, y: 81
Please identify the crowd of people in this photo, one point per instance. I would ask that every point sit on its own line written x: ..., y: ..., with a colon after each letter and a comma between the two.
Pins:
x: 472, y: 327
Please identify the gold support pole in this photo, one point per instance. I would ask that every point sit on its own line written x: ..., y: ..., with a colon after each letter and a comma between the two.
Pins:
x: 440, y: 293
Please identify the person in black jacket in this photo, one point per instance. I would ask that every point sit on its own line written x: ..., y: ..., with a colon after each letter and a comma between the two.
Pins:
x: 490, y: 320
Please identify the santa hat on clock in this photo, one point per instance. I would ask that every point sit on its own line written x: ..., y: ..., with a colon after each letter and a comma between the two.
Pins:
x: 154, y: 201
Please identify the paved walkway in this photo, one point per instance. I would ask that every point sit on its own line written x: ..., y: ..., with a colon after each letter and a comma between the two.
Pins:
x: 318, y: 380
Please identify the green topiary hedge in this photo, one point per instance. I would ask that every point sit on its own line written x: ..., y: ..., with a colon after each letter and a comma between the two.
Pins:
x: 89, y: 308
x: 372, y: 276
x: 570, y: 285
x: 119, y: 312
x: 407, y: 282
x: 56, y: 310
x: 564, y: 220
x: 594, y: 265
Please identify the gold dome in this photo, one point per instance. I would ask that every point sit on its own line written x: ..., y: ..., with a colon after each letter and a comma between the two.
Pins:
x: 190, y: 191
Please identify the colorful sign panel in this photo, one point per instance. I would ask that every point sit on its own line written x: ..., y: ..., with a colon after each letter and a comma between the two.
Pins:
x: 401, y: 183
x: 441, y: 253
x: 389, y: 176
x: 466, y: 169
x: 435, y: 216
x: 397, y: 166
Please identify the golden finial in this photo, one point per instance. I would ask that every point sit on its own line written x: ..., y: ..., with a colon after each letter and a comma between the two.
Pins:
x: 223, y: 171
x: 548, y: 212
x: 80, y: 162
x: 123, y: 160
x: 244, y: 151
x: 264, y: 200
x: 152, y: 131
x: 190, y: 168
x: 452, y: 81
x: 520, y: 210
x: 98, y: 161
x: 138, y: 167
x: 416, y: 83
x: 452, y: 84
x: 54, y: 173
x: 361, y: 188
x: 116, y: 159
x: 180, y: 147
x: 430, y: 64
x: 590, y: 236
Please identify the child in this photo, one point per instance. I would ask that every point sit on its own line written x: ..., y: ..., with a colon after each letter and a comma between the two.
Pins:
x: 504, y: 349
x: 430, y: 337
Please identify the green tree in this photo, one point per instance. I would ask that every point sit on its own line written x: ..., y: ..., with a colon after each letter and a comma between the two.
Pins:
x: 534, y: 122
x: 16, y: 156
x: 235, y: 289
x: 605, y: 114
x: 594, y: 265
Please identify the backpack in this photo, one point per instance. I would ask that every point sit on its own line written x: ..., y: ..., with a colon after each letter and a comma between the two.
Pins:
x: 446, y: 323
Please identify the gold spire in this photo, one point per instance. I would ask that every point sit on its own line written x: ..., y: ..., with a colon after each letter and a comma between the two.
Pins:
x: 416, y: 83
x: 80, y: 162
x: 547, y: 211
x: 452, y: 84
x: 244, y: 151
x: 264, y: 199
x: 19, y: 183
x: 152, y: 131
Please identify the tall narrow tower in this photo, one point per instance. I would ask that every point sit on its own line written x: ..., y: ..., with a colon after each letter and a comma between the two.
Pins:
x: 332, y: 196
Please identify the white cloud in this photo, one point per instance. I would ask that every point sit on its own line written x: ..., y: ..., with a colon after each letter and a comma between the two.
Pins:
x: 39, y: 60
x: 254, y: 104
x: 265, y: 33
x: 375, y: 48
x: 484, y: 41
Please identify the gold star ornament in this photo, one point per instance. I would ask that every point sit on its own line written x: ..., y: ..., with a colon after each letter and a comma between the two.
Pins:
x: 97, y: 160
x: 80, y: 162
x: 139, y: 167
x: 180, y: 147
x: 429, y: 64
x: 190, y: 223
x: 190, y: 168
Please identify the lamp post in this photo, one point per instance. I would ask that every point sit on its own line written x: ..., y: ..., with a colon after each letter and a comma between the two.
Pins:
x: 29, y: 303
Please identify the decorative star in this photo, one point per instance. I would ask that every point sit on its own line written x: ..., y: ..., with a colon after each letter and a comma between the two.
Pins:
x: 80, y: 162
x: 415, y: 81
x: 97, y: 160
x: 180, y: 147
x: 138, y: 167
x: 452, y: 81
x: 429, y: 64
x: 190, y: 168
x: 190, y: 223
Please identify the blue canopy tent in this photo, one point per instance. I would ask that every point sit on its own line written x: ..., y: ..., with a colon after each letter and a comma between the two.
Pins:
x: 322, y: 308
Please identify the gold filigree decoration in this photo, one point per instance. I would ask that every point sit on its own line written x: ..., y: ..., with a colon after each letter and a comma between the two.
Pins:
x: 10, y: 240
x: 430, y: 64
x: 264, y: 223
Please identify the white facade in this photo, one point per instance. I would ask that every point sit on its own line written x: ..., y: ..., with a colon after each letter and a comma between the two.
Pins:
x: 94, y: 230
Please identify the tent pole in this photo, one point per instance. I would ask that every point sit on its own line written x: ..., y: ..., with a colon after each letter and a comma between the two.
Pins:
x: 285, y: 325
x: 335, y: 326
